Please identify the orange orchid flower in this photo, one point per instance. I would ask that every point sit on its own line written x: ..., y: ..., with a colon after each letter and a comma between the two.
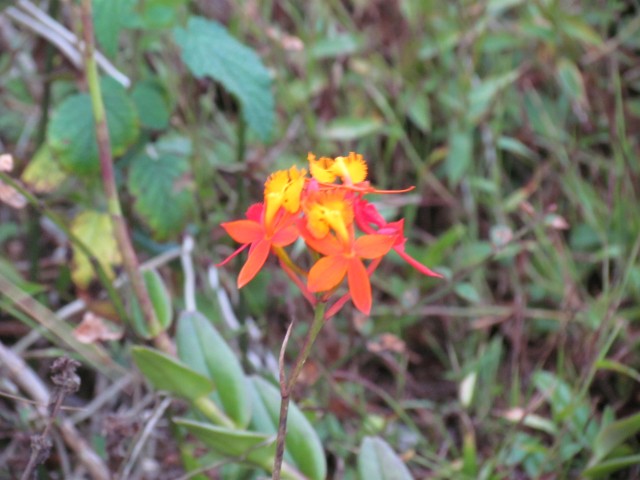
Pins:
x: 366, y: 214
x: 345, y: 259
x: 260, y: 237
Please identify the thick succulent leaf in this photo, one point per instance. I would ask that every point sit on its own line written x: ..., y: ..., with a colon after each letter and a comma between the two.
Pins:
x: 378, y: 461
x: 302, y: 442
x: 209, y: 51
x: 256, y: 448
x: 202, y: 348
x: 167, y: 373
x: 162, y: 305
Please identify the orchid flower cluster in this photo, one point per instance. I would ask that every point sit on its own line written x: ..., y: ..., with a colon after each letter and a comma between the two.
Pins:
x: 345, y: 233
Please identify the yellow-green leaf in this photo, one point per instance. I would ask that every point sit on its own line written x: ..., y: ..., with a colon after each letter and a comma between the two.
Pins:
x: 95, y: 230
x: 43, y: 174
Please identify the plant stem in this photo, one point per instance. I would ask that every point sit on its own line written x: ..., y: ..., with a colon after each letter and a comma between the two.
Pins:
x: 129, y: 258
x: 286, y: 386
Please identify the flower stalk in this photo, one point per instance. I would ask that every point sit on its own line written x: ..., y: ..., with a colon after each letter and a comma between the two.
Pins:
x: 287, y: 385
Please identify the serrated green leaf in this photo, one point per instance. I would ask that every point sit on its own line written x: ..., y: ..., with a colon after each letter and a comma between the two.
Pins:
x: 162, y: 187
x: 95, y: 230
x: 161, y: 302
x: 43, y: 174
x: 302, y: 440
x: 209, y: 51
x: 71, y: 133
x: 152, y: 106
x: 378, y: 461
x: 110, y: 17
x: 202, y: 348
x: 167, y: 373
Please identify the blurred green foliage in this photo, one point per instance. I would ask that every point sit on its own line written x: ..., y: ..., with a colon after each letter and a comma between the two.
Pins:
x: 517, y: 121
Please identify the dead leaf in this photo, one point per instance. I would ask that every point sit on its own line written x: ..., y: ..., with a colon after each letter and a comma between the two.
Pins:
x: 94, y: 328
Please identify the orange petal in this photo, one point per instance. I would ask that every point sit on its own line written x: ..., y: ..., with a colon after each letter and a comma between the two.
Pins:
x: 244, y: 231
x: 359, y: 285
x: 257, y: 256
x: 327, y: 273
x: 285, y: 236
x: 374, y: 245
x: 328, y: 245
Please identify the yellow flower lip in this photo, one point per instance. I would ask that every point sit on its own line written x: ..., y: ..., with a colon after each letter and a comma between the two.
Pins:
x: 329, y: 210
x: 351, y: 169
x: 283, y: 189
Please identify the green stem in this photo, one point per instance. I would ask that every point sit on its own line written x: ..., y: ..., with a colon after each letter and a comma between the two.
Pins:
x: 316, y: 326
x: 129, y: 258
x: 210, y: 410
x: 286, y: 387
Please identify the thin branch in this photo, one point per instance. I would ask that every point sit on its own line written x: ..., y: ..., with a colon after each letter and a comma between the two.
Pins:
x: 146, y: 432
x: 121, y: 232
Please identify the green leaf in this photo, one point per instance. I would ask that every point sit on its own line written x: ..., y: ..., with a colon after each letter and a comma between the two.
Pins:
x: 110, y: 17
x: 350, y: 128
x: 202, y: 348
x: 613, y: 435
x: 167, y: 373
x: 5, y: 3
x: 459, y: 156
x: 605, y: 469
x: 162, y: 187
x: 162, y: 305
x: 71, y: 132
x: 336, y: 46
x: 43, y: 174
x: 95, y: 230
x: 254, y: 447
x: 576, y: 28
x: 482, y: 96
x: 151, y: 104
x: 515, y: 146
x: 571, y: 80
x: 302, y: 441
x: 378, y: 461
x: 209, y: 51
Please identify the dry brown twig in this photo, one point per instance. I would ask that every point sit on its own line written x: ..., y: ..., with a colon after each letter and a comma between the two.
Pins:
x: 29, y: 382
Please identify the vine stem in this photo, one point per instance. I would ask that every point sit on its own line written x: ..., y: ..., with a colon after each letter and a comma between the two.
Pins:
x: 121, y: 232
x: 286, y: 386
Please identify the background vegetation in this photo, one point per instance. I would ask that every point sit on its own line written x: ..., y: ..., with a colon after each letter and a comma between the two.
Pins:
x: 516, y: 120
